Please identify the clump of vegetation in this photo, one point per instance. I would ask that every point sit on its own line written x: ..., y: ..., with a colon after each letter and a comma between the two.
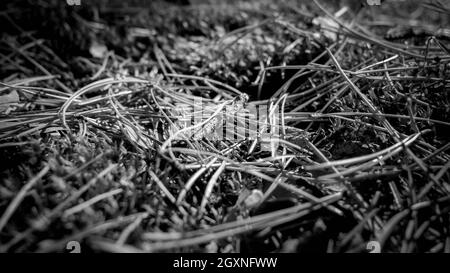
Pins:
x: 90, y: 96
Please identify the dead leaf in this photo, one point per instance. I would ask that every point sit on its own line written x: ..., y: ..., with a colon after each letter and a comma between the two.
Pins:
x: 98, y: 50
x: 327, y: 25
x: 7, y: 100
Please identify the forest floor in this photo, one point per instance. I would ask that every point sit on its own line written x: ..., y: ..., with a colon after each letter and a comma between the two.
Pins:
x: 88, y: 92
